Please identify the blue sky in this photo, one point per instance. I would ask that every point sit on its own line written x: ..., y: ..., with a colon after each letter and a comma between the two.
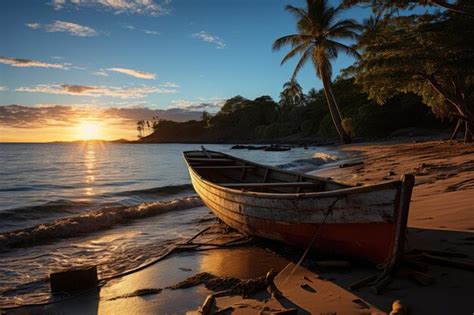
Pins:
x: 168, y: 42
x: 109, y: 63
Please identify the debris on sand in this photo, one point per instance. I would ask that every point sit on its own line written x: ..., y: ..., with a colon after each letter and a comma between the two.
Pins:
x: 140, y: 292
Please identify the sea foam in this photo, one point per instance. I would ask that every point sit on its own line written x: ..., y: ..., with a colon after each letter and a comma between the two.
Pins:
x: 91, y: 221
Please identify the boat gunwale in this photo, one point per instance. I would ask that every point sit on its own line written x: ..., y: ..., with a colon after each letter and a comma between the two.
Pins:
x: 351, y: 189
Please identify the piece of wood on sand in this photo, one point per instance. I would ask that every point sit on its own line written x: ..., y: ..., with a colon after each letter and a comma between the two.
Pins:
x: 344, y: 165
x: 208, y: 305
x: 289, y: 294
x: 421, y: 278
x: 73, y: 280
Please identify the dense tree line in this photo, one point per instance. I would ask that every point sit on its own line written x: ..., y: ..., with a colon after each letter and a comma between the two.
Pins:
x: 305, y: 120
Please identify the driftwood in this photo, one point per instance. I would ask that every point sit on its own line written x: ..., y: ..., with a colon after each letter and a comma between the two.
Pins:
x: 414, y: 264
x: 421, y: 278
x: 344, y: 165
x: 441, y: 253
x: 466, y: 265
x: 140, y: 292
x: 208, y: 305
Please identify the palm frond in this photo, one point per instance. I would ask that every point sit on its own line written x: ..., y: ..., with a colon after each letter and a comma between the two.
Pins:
x: 348, y: 50
x: 304, y: 58
x: 293, y: 40
x: 298, y: 49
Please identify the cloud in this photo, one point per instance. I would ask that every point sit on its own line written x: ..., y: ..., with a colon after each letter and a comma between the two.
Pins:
x: 145, y: 7
x: 134, y: 73
x: 133, y: 28
x: 57, y: 57
x: 124, y: 92
x: 61, y: 26
x: 16, y: 62
x: 211, y: 105
x: 40, y: 116
x: 3, y: 88
x: 137, y: 113
x: 150, y: 32
x: 33, y: 25
x: 17, y: 116
x: 169, y: 84
x: 209, y: 38
x: 100, y: 73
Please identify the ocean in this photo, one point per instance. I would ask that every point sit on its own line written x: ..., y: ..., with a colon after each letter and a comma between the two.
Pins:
x: 117, y: 206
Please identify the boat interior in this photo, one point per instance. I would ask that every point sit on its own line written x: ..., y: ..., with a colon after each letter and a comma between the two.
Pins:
x: 234, y: 173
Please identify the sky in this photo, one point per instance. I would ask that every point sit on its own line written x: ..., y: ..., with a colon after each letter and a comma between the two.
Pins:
x: 74, y: 69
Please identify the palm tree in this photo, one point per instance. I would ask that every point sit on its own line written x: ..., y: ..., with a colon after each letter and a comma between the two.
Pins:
x: 316, y: 40
x: 292, y: 93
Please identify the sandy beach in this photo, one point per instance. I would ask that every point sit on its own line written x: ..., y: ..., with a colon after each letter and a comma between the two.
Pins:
x: 440, y: 220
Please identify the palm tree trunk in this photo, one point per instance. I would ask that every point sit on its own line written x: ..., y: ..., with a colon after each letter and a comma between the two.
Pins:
x: 334, y: 111
x: 335, y: 103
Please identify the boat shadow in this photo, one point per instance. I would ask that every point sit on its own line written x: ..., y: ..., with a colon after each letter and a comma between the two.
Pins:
x: 451, y: 290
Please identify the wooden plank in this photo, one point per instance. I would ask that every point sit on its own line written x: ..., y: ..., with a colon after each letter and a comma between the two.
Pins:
x: 224, y: 167
x: 284, y: 184
x: 209, y: 160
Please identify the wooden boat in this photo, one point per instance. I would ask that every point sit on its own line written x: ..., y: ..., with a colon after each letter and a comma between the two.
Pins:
x: 362, y: 222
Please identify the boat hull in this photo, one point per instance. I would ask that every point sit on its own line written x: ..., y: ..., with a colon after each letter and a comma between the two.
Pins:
x: 362, y: 222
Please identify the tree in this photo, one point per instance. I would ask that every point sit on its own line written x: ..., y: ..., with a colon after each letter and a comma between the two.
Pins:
x: 292, y: 93
x: 390, y: 6
x: 317, y: 40
x: 148, y: 126
x: 426, y: 55
x: 232, y: 104
x: 206, y: 118
x: 139, y: 129
x: 155, y: 120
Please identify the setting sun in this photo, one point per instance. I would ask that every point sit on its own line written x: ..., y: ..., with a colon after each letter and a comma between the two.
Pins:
x: 88, y: 130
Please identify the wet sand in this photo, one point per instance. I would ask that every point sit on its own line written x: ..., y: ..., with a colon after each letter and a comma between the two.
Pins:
x: 441, y: 218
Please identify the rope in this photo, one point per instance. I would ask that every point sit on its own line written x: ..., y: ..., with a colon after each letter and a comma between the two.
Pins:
x: 313, y: 239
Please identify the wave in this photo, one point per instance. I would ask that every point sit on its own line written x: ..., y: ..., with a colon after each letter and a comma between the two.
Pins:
x: 165, y: 190
x: 91, y: 221
x: 306, y: 165
x: 65, y: 206
x: 35, y: 212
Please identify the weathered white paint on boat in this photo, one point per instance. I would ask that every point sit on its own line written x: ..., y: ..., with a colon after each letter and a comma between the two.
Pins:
x: 375, y: 206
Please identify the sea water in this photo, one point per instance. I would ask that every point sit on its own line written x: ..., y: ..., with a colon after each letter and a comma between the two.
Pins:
x: 113, y: 205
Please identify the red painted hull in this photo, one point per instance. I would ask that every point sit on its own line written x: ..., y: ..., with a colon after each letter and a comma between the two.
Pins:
x: 370, y: 241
